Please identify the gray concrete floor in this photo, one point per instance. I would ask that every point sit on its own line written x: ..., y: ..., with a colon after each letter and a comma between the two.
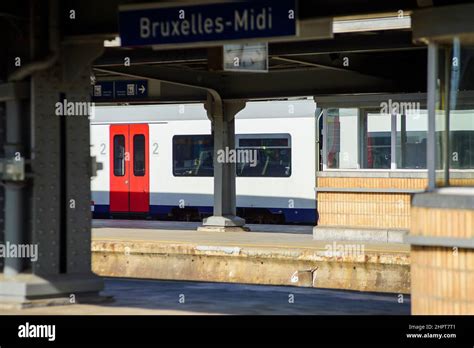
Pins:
x: 162, y: 298
x: 283, y: 236
x: 192, y: 226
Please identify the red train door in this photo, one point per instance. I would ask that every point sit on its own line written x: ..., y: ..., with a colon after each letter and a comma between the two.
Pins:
x: 139, y: 168
x: 119, y: 168
x: 129, y: 168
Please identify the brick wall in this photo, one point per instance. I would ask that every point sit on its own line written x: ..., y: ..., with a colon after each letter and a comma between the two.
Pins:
x: 442, y: 277
x: 367, y: 210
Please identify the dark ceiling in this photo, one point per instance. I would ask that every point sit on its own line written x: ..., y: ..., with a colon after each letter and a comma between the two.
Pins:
x: 380, y: 61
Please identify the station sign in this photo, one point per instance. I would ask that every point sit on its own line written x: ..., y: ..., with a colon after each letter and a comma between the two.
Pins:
x: 165, y: 24
x: 120, y: 89
x: 249, y: 57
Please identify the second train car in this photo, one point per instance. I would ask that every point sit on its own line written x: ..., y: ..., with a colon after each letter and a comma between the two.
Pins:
x: 158, y: 162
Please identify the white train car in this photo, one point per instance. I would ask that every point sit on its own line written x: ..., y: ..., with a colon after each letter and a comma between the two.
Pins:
x: 157, y: 162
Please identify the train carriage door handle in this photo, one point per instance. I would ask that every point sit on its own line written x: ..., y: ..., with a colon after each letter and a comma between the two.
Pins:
x: 126, y: 182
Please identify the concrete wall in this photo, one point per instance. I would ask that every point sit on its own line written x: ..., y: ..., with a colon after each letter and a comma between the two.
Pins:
x: 379, y: 270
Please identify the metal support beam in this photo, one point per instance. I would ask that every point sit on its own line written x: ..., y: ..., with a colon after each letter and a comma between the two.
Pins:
x: 307, y: 63
x: 60, y: 205
x: 222, y: 116
x: 189, y: 78
x: 301, y: 82
x: 393, y: 141
x: 57, y: 263
x: 432, y: 97
x: 211, y: 82
x: 382, y: 41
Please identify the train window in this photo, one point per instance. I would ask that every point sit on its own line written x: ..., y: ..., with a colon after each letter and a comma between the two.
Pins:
x: 257, y: 155
x: 139, y: 155
x: 264, y: 155
x: 193, y: 155
x: 119, y: 155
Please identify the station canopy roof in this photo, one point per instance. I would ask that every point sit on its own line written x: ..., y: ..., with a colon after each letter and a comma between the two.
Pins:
x: 368, y: 60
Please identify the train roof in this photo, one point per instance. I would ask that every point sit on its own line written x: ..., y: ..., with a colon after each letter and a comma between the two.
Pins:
x: 151, y: 113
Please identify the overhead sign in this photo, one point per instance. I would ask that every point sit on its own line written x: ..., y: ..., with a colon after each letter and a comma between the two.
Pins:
x: 156, y: 24
x: 120, y: 89
x: 251, y: 57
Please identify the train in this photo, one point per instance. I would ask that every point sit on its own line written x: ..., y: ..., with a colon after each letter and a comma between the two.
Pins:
x: 157, y: 162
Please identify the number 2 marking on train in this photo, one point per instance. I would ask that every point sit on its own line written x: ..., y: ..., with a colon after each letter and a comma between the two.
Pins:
x: 102, y: 149
x: 155, y: 148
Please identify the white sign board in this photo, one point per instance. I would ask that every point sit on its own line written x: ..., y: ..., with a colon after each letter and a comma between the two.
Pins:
x: 251, y: 57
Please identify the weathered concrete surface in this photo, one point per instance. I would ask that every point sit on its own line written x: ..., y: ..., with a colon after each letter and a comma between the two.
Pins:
x: 251, y: 258
x: 371, y: 235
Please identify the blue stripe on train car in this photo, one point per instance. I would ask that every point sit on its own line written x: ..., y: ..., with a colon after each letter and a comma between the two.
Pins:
x: 167, y: 210
x: 297, y: 215
x: 101, y: 209
x: 292, y: 215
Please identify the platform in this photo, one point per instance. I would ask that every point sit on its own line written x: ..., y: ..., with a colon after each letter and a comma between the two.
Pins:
x: 270, y: 255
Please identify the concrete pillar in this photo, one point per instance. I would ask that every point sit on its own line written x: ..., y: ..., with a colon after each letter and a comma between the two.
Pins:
x: 222, y: 115
x: 48, y: 218
x: 60, y: 271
